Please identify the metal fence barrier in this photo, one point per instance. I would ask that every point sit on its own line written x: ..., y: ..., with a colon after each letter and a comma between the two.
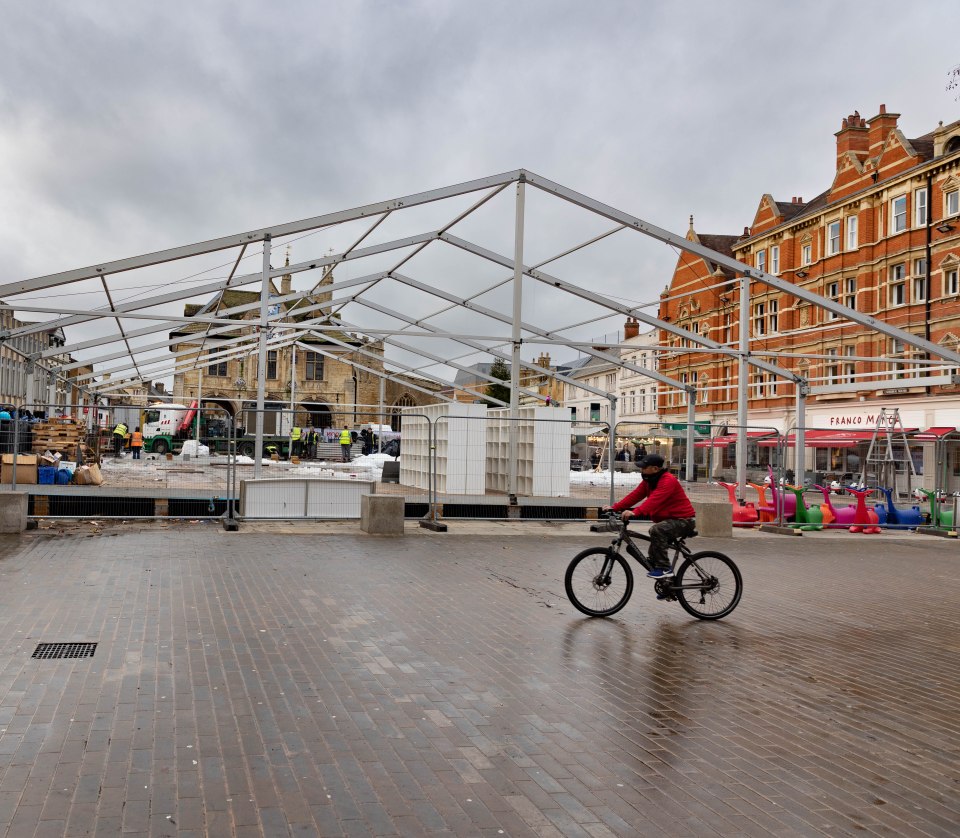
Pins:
x: 447, y: 462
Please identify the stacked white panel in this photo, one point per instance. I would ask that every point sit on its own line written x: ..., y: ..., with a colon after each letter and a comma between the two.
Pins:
x: 543, y: 452
x: 459, y: 437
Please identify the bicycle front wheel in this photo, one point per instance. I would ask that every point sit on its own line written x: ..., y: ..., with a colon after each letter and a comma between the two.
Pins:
x: 599, y: 582
x: 708, y: 585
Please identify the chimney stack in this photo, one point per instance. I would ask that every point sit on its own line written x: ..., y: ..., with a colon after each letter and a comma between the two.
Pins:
x: 853, y: 136
x: 631, y: 329
x: 880, y: 127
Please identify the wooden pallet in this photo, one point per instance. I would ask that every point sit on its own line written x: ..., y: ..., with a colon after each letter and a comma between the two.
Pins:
x: 59, y: 436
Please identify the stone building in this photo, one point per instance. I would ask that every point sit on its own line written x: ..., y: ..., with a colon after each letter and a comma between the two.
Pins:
x: 303, y: 386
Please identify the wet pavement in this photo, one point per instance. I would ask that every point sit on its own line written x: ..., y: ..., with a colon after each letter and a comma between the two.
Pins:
x: 285, y: 680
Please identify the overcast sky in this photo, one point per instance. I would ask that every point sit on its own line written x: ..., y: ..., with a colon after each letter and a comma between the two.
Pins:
x: 127, y: 127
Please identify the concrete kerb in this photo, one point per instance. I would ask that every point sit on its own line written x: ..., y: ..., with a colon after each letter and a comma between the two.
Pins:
x: 573, y: 531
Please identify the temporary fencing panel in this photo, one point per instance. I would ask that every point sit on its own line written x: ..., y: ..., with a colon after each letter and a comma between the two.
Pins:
x: 181, y: 472
x: 309, y: 471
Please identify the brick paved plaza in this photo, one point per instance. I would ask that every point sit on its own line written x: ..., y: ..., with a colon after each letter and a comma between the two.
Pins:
x: 328, y: 683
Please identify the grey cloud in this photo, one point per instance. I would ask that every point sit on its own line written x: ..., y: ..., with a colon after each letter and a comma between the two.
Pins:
x: 127, y: 127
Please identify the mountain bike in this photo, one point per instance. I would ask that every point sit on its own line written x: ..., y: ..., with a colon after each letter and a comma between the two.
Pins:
x: 599, y: 581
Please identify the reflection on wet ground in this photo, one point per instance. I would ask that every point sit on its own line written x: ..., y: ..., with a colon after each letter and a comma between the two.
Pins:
x: 268, y: 683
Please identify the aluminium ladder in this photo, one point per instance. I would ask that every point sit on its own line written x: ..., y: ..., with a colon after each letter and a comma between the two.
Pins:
x: 889, y: 454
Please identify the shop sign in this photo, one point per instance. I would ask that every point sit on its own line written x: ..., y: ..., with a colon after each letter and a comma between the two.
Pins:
x: 702, y: 428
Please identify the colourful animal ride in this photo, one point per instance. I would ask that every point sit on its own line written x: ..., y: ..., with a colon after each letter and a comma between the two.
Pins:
x: 744, y: 514
x: 865, y: 520
x: 900, y: 518
x: 764, y: 507
x: 805, y: 517
x: 939, y: 516
x: 786, y: 504
x: 835, y: 517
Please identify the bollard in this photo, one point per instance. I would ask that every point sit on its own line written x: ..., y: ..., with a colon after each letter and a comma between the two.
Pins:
x: 382, y: 514
x: 13, y: 512
x: 714, y: 518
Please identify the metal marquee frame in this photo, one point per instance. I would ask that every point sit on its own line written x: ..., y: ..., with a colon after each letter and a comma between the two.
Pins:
x: 276, y: 329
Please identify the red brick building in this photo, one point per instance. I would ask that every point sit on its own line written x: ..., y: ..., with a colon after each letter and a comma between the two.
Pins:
x: 883, y: 238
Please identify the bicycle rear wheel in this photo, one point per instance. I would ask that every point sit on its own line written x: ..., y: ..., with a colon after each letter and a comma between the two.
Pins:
x: 599, y: 582
x: 708, y: 585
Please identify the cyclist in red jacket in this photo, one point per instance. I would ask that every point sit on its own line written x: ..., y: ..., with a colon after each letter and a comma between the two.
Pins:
x: 666, y: 504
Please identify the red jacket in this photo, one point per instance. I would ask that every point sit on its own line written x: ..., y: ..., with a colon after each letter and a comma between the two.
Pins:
x: 667, y: 500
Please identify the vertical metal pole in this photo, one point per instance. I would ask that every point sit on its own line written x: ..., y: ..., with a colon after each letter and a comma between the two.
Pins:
x: 28, y: 401
x: 516, y: 335
x: 51, y: 392
x: 800, y: 450
x: 743, y: 383
x: 432, y: 465
x: 293, y: 393
x: 16, y: 452
x: 612, y: 445
x: 262, y: 359
x: 199, y: 406
x: 691, y: 416
x: 380, y: 421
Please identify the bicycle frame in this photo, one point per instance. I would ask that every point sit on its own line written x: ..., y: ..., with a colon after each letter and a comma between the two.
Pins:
x: 679, y: 548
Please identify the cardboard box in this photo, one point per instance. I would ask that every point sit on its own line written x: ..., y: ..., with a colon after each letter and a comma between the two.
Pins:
x: 26, y: 468
x: 88, y: 475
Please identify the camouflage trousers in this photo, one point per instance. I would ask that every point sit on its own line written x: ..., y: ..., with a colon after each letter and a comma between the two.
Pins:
x: 663, y: 533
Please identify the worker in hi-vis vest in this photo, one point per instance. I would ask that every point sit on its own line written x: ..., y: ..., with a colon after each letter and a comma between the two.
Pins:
x: 295, y: 442
x: 346, y: 443
x: 136, y: 443
x: 119, y: 438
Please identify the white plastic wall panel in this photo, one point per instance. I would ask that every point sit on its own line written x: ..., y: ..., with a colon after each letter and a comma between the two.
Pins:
x: 302, y: 497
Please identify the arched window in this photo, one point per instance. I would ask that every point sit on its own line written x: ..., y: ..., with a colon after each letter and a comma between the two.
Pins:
x: 406, y: 400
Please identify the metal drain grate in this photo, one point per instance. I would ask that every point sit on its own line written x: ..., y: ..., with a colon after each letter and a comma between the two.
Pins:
x: 47, y: 651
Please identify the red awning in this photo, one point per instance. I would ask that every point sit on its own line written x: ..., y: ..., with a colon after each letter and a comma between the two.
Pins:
x: 715, y: 442
x: 933, y: 434
x: 821, y: 438
x: 730, y: 439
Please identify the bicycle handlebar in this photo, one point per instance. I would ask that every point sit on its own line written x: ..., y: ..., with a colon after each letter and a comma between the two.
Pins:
x: 614, y: 520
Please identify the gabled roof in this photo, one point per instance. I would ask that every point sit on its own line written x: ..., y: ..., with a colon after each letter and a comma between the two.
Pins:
x: 924, y: 146
x: 718, y: 242
x: 921, y: 149
x: 788, y: 209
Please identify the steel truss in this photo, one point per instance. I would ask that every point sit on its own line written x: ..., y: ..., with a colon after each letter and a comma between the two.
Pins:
x: 279, y: 329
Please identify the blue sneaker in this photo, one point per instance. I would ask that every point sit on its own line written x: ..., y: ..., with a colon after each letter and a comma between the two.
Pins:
x: 660, y: 573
